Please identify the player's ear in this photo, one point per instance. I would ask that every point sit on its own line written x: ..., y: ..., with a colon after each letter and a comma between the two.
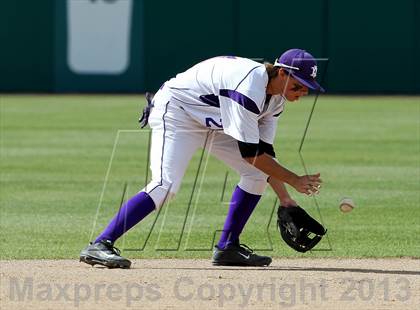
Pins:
x: 282, y: 72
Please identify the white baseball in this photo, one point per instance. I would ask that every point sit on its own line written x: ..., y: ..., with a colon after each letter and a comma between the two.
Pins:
x: 347, y: 205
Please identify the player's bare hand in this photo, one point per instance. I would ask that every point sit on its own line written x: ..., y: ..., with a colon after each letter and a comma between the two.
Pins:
x: 308, y: 184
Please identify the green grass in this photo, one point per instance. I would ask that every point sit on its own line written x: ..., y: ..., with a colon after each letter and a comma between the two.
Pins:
x: 55, y: 152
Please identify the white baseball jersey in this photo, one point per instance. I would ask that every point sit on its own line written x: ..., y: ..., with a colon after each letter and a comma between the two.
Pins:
x: 229, y: 93
x: 224, y: 94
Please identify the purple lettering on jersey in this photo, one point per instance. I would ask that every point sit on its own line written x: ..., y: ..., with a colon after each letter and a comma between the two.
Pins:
x: 210, y: 99
x: 210, y: 120
x: 243, y: 100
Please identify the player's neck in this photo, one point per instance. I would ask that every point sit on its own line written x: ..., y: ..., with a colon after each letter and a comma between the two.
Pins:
x: 269, y: 89
x: 274, y: 89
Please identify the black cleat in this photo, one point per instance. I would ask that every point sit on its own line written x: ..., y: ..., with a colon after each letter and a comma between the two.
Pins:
x: 238, y: 255
x: 104, y: 253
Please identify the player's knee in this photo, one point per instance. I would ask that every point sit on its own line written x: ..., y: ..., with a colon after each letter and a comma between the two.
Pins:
x: 160, y: 192
x: 252, y: 185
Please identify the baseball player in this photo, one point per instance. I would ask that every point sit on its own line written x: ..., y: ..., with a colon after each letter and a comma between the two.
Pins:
x: 229, y: 106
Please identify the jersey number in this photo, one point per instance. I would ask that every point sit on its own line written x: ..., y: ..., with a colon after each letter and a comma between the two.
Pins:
x: 210, y: 122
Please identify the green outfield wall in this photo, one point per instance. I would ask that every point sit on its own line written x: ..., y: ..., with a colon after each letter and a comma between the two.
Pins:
x: 135, y: 45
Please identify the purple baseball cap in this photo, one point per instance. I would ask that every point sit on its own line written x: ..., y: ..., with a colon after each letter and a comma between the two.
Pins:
x: 301, y: 65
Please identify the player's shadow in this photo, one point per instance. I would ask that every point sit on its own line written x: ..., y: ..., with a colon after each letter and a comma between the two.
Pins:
x: 298, y: 269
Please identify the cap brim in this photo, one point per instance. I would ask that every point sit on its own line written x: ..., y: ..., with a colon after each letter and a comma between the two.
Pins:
x: 310, y: 84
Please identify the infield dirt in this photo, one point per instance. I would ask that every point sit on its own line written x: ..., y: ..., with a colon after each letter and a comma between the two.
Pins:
x: 196, y: 284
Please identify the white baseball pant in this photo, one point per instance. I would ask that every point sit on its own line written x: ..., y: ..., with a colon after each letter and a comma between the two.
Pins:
x: 176, y: 137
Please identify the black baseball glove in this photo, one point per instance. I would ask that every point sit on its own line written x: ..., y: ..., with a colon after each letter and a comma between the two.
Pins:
x: 296, y: 227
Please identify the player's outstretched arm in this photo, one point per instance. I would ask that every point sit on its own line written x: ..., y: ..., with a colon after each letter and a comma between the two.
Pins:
x: 306, y: 184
